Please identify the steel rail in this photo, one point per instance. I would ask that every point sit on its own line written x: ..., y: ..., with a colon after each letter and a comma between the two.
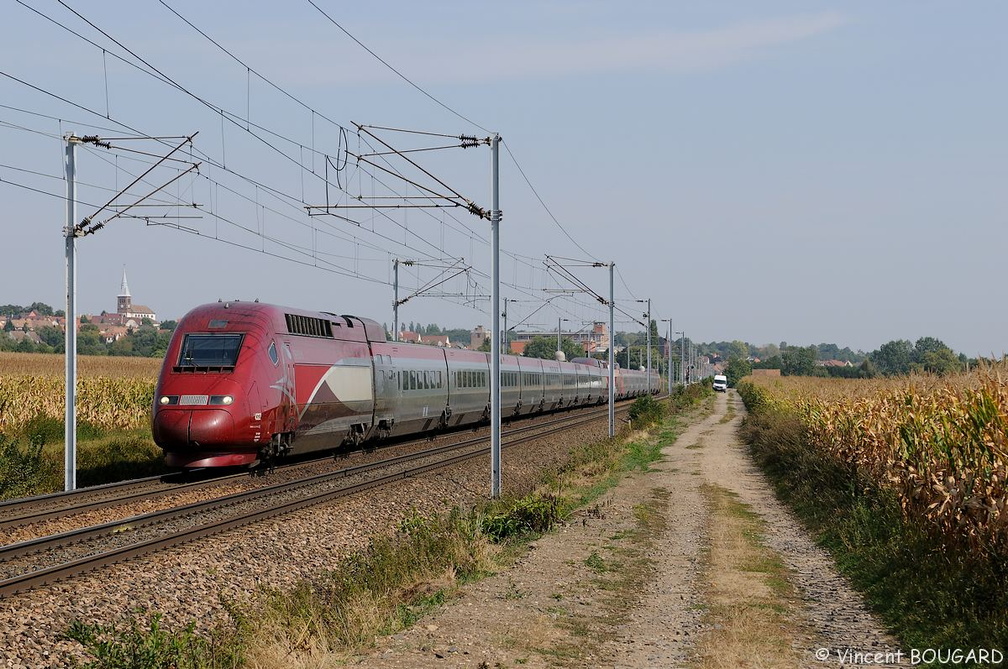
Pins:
x: 59, y: 504
x: 36, y: 578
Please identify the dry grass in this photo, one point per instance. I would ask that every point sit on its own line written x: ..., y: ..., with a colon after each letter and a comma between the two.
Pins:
x: 748, y: 621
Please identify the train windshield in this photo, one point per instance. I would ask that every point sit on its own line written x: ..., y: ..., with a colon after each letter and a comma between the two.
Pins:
x: 210, y: 350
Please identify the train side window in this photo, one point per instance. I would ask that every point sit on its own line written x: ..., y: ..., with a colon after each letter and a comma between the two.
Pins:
x: 273, y: 354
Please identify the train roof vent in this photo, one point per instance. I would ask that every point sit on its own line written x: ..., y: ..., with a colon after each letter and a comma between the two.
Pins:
x: 309, y: 326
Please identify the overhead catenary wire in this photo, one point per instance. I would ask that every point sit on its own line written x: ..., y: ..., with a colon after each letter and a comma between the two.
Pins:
x: 393, y: 69
x: 285, y: 197
x: 234, y: 118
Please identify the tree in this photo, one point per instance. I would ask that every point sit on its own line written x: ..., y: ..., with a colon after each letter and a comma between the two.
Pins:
x: 89, y: 341
x: 893, y: 358
x: 52, y: 337
x: 171, y: 325
x: 798, y: 361
x: 737, y: 349
x: 932, y: 355
x: 736, y: 369
x: 9, y: 325
x: 773, y: 362
x: 41, y: 308
x: 545, y: 348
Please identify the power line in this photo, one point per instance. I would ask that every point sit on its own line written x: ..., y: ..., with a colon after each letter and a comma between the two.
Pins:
x: 397, y: 72
x: 543, y: 203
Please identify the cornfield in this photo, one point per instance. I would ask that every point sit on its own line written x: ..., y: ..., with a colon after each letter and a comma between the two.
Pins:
x: 113, y: 393
x: 940, y: 444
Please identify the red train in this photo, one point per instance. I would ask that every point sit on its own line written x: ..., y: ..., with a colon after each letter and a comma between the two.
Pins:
x: 244, y: 382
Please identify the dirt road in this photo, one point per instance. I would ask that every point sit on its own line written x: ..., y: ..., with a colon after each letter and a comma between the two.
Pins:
x: 692, y: 564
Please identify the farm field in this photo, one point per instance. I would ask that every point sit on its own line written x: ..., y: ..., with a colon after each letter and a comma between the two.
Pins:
x: 113, y: 393
x: 940, y: 443
x: 903, y: 481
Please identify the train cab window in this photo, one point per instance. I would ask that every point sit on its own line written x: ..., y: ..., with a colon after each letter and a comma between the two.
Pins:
x: 210, y: 350
x: 273, y: 353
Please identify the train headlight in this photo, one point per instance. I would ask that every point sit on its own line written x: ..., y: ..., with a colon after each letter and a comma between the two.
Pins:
x: 221, y: 399
x: 168, y: 399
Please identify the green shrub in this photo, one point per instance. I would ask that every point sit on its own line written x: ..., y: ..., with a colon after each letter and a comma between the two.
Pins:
x: 151, y: 646
x: 527, y: 516
x: 120, y: 459
x: 42, y: 429
x: 24, y: 472
x: 645, y: 411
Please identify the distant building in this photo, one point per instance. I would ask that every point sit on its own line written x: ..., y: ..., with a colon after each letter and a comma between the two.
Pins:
x: 592, y: 341
x: 128, y: 316
x: 410, y: 337
x: 129, y: 311
x: 477, y: 337
x: 437, y: 340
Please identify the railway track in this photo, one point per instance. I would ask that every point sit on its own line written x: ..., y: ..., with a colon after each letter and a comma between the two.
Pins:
x: 30, y: 564
x: 19, y: 513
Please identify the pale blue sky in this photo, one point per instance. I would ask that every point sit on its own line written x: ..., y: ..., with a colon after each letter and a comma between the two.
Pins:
x: 800, y: 171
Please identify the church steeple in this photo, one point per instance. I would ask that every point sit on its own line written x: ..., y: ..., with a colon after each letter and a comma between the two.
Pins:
x: 125, y: 302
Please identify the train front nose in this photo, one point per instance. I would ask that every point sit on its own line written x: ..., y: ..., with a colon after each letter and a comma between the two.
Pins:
x: 171, y: 427
x: 188, y: 427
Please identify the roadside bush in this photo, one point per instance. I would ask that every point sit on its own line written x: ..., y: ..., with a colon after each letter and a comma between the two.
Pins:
x: 683, y: 397
x: 42, y: 429
x: 529, y: 515
x: 151, y: 646
x: 646, y: 410
x: 122, y: 458
x: 24, y: 472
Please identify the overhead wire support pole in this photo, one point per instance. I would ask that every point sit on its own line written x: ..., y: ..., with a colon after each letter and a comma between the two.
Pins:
x: 395, y: 302
x: 73, y: 230
x: 495, y: 340
x: 612, y: 359
x: 70, y: 352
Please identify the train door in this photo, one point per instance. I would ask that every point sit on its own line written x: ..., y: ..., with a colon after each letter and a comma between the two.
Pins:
x: 386, y: 394
x: 289, y: 386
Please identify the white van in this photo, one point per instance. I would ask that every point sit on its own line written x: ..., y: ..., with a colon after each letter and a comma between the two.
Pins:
x: 720, y: 383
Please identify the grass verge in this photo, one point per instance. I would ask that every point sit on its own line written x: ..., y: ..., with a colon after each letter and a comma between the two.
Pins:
x: 747, y: 619
x: 400, y: 577
x: 34, y: 466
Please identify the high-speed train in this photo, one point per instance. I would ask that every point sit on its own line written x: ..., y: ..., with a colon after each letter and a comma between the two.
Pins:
x: 245, y: 382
